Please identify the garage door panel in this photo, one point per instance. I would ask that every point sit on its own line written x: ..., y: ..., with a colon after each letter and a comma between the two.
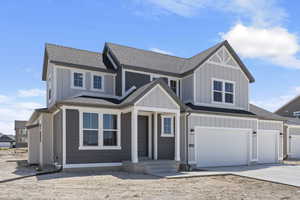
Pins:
x: 295, y: 146
x: 222, y: 147
x: 267, y: 146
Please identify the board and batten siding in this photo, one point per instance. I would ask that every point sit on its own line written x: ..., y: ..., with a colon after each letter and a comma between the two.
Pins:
x: 76, y: 156
x: 187, y: 86
x: 270, y: 125
x: 294, y: 131
x: 64, y: 89
x: 217, y: 121
x: 203, y: 83
x: 157, y: 98
x: 165, y: 145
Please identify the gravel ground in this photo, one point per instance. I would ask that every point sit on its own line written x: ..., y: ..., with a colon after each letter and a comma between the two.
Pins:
x: 121, y: 185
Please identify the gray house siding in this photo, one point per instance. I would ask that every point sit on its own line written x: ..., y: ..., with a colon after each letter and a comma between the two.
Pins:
x: 294, y: 131
x: 265, y: 125
x: 208, y: 71
x: 183, y: 150
x: 64, y: 89
x: 76, y: 156
x: 157, y: 98
x: 135, y: 79
x: 57, y: 138
x: 119, y: 79
x: 165, y: 145
x: 187, y: 92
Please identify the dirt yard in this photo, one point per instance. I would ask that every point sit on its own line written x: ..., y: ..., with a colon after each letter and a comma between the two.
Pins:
x: 121, y: 185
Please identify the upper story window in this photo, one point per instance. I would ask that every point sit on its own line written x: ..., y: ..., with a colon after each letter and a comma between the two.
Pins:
x: 97, y: 82
x: 223, y: 91
x: 174, y: 86
x: 78, y: 79
x: 167, y: 127
x: 297, y: 114
x: 172, y: 83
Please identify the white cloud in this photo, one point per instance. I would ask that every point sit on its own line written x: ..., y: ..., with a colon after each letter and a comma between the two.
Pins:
x: 12, y: 109
x: 161, y: 51
x: 274, y: 44
x: 31, y: 93
x: 272, y: 104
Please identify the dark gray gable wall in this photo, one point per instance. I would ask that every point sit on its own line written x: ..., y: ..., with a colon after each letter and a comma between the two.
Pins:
x: 135, y: 79
x: 289, y: 109
x: 165, y: 145
x: 76, y: 156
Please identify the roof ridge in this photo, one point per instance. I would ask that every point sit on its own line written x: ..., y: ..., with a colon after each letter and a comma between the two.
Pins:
x: 218, y: 44
x: 147, y: 50
x: 72, y: 48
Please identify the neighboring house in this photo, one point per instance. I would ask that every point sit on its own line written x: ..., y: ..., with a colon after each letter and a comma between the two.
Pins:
x: 128, y: 104
x: 20, y: 133
x: 291, y: 111
x: 6, y: 141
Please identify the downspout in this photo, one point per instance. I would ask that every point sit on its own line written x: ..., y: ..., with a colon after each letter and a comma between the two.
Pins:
x: 188, y: 167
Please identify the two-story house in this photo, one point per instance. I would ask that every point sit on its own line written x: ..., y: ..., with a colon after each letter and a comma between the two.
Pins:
x: 291, y: 112
x: 128, y: 104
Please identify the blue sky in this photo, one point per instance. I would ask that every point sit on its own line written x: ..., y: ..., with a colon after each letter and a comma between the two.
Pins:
x: 263, y: 32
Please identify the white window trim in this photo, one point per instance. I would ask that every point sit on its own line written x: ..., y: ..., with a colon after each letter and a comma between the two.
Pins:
x: 50, y: 82
x: 92, y: 82
x: 83, y: 79
x: 100, y: 131
x: 162, y: 126
x: 223, y: 91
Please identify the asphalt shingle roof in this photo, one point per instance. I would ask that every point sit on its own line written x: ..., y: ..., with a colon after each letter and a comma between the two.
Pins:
x: 264, y: 114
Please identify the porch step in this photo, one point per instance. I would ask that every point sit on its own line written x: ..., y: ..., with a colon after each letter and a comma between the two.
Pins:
x: 152, y: 166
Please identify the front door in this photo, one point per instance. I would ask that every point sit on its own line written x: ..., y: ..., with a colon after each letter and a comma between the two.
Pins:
x: 143, y: 136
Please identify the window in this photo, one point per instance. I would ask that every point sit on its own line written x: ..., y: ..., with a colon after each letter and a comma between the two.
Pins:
x: 99, y: 131
x: 90, y: 129
x: 167, y: 127
x: 223, y: 92
x: 297, y: 114
x: 49, y: 87
x: 173, y: 86
x: 97, y: 82
x: 78, y: 80
x: 110, y: 130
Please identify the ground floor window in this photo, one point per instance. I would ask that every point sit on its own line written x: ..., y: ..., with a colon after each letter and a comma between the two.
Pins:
x: 99, y: 131
x: 167, y: 126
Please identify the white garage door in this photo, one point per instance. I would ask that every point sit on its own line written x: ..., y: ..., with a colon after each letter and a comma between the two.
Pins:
x: 267, y: 146
x: 295, y: 146
x: 221, y: 147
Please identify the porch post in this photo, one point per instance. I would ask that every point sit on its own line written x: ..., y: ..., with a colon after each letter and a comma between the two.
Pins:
x: 134, y: 142
x: 177, y: 136
x: 155, y: 136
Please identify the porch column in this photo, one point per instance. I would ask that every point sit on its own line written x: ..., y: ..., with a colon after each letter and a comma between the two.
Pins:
x: 155, y: 135
x: 134, y: 140
x: 177, y: 136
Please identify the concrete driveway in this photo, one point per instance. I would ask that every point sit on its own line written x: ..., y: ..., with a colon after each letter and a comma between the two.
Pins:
x: 285, y: 174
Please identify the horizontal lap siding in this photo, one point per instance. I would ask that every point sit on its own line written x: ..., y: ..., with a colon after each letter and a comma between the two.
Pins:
x: 165, y: 145
x: 76, y: 156
x: 270, y: 125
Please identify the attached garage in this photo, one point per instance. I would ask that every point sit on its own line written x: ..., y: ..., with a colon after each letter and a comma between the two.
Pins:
x: 295, y: 146
x: 222, y: 146
x: 267, y: 146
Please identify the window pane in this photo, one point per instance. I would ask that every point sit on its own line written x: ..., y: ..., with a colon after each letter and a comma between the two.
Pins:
x: 218, y: 96
x: 110, y: 138
x: 228, y: 98
x: 97, y: 82
x: 109, y: 121
x: 90, y: 120
x: 228, y: 87
x: 168, y: 125
x: 173, y: 86
x: 218, y: 85
x: 90, y: 138
x: 78, y: 79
